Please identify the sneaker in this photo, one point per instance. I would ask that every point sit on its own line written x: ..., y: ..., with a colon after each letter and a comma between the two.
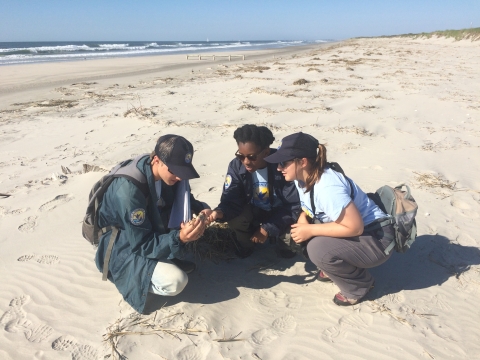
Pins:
x: 186, y: 266
x: 340, y: 300
x: 323, y: 277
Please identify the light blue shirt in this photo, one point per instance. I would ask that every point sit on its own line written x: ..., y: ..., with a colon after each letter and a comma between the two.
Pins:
x: 332, y: 195
x: 261, y: 192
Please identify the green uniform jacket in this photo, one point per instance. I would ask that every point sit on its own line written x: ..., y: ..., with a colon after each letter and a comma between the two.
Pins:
x: 142, y: 240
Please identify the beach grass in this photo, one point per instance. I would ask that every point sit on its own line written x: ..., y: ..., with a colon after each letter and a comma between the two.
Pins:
x: 472, y: 34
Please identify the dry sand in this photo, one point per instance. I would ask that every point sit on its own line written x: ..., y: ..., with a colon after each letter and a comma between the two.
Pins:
x: 391, y: 111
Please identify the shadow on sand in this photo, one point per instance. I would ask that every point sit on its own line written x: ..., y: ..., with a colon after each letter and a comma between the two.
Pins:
x: 431, y: 261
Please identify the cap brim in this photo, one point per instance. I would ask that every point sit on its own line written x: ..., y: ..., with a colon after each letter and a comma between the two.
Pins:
x: 278, y: 157
x: 185, y: 172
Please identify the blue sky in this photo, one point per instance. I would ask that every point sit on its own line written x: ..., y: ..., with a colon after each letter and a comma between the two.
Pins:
x: 84, y: 20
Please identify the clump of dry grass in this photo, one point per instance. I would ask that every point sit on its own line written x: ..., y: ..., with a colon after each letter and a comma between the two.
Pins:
x: 139, y: 110
x: 259, y: 90
x: 351, y: 129
x: 247, y: 106
x: 84, y: 83
x: 426, y: 180
x: 300, y: 82
x: 445, y: 144
x: 137, y: 324
x: 50, y: 103
x: 253, y: 68
x: 98, y: 97
x: 314, y: 69
x: 367, y: 107
x: 310, y: 110
x: 217, y: 244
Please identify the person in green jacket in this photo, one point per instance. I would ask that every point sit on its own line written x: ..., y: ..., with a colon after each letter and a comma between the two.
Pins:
x: 146, y: 254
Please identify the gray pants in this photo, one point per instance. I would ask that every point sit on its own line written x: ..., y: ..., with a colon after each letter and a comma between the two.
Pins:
x: 345, y: 260
x: 248, y: 222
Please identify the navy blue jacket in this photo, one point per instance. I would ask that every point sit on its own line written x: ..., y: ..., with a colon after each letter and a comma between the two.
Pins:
x: 139, y: 245
x: 239, y: 192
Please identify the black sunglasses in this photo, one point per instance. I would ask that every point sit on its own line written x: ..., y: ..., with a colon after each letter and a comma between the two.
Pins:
x: 251, y: 157
x: 284, y: 164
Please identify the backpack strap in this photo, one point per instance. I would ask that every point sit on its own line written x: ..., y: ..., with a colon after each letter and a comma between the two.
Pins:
x: 132, y: 173
x: 312, y: 204
x: 108, y: 253
x: 271, y: 178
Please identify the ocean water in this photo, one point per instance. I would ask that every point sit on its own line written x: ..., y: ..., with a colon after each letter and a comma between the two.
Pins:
x: 34, y: 52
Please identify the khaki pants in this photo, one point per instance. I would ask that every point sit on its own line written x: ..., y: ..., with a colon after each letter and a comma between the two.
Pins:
x: 346, y: 260
x: 248, y: 222
x: 167, y: 279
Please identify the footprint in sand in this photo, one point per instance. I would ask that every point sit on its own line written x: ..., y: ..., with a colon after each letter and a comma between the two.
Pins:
x: 48, y: 259
x: 29, y: 226
x: 15, y: 310
x: 396, y: 298
x: 25, y: 258
x: 264, y: 336
x: 294, y: 302
x: 58, y: 200
x: 440, y: 302
x: 459, y: 204
x: 358, y: 321
x: 44, y: 259
x: 275, y: 298
x: 5, y: 211
x: 78, y: 351
x: 15, y: 321
x: 190, y: 353
x: 271, y: 298
x: 280, y: 326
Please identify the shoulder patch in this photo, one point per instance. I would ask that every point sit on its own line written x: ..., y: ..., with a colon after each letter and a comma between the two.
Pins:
x: 137, y: 217
x: 228, y: 181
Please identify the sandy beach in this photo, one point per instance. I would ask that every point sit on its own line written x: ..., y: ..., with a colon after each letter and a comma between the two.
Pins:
x: 391, y: 111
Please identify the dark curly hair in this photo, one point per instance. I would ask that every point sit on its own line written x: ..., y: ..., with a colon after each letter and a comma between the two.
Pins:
x: 259, y: 135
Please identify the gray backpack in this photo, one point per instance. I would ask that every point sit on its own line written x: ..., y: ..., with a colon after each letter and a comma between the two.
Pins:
x: 90, y: 229
x: 402, y: 207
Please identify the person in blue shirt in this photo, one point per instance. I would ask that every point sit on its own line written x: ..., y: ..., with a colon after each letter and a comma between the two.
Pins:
x: 256, y: 201
x: 340, y: 227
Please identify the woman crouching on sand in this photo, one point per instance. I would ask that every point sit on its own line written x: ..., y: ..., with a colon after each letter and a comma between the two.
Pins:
x: 336, y: 226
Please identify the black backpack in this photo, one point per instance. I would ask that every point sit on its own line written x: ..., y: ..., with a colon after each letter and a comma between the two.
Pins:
x: 90, y: 229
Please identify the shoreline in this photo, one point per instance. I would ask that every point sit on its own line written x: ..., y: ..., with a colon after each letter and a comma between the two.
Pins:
x: 25, y: 77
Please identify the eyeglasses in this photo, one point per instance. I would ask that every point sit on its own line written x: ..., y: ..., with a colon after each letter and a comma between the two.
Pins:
x: 251, y: 157
x: 284, y: 164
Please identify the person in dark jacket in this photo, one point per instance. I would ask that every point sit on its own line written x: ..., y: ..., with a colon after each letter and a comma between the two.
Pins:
x: 145, y: 255
x: 256, y: 201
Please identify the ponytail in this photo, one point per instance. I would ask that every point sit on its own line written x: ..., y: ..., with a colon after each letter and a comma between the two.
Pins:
x: 318, y: 166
